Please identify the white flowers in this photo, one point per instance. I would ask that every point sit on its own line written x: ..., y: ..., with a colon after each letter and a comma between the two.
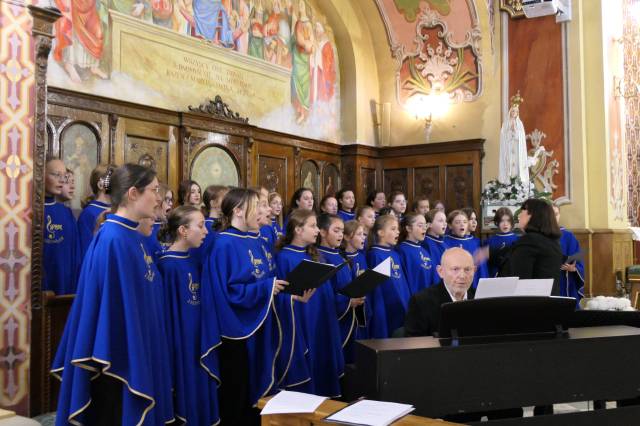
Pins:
x: 605, y: 303
x: 514, y: 192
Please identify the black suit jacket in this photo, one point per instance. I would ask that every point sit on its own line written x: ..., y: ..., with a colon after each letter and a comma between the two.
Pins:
x: 532, y: 256
x: 423, y: 315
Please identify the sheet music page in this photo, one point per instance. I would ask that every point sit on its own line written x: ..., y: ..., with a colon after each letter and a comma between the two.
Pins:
x: 292, y: 402
x: 496, y: 287
x: 541, y: 287
x: 371, y: 413
x: 384, y: 267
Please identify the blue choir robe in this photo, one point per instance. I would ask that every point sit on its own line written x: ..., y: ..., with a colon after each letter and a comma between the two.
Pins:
x: 202, y: 253
x: 269, y: 236
x: 196, y: 395
x: 277, y: 228
x: 346, y: 216
x: 293, y: 368
x: 358, y: 266
x: 117, y: 327
x: 151, y: 243
x: 470, y: 244
x: 237, y: 287
x: 417, y: 266
x: 435, y: 246
x: 390, y: 299
x: 61, y: 254
x: 346, y: 314
x: 321, y: 329
x: 87, y: 223
x: 498, y: 241
x: 571, y: 283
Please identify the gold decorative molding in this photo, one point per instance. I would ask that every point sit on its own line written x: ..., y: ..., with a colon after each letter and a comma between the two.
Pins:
x: 512, y: 7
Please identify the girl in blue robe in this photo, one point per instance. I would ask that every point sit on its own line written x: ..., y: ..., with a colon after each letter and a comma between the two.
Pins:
x: 390, y: 299
x: 115, y: 338
x: 353, y: 242
x: 505, y: 237
x: 434, y: 240
x: 459, y: 223
x: 98, y: 203
x: 571, y: 275
x: 346, y: 204
x: 318, y: 317
x: 239, y: 289
x: 275, y: 203
x: 196, y: 395
x: 331, y: 236
x: 415, y: 260
x: 61, y: 252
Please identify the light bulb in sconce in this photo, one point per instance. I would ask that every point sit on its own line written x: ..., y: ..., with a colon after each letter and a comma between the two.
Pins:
x: 427, y: 107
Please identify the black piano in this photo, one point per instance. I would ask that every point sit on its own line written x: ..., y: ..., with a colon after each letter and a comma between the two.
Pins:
x: 469, y: 374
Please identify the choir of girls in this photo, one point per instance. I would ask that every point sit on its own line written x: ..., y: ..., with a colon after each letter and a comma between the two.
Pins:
x: 181, y: 312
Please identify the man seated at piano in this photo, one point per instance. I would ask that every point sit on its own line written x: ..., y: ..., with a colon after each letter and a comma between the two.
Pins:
x: 456, y: 271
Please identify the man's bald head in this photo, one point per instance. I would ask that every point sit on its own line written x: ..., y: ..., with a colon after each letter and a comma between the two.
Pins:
x: 456, y: 270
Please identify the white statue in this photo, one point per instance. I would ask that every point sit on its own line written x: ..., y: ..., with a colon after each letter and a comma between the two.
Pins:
x: 513, y: 146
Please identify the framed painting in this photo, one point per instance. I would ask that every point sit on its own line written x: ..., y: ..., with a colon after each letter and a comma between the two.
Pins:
x: 214, y: 166
x: 152, y: 153
x: 79, y: 146
x: 330, y: 179
x: 310, y: 177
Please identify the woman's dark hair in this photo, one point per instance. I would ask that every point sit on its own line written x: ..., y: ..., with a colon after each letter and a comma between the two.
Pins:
x: 542, y: 220
x: 96, y: 181
x: 324, y: 200
x: 339, y: 196
x: 297, y: 218
x: 178, y: 217
x: 293, y: 205
x: 184, y: 190
x: 502, y: 212
x: 409, y: 220
x: 372, y: 196
x: 470, y: 211
x: 386, y: 211
x: 237, y: 198
x: 212, y: 193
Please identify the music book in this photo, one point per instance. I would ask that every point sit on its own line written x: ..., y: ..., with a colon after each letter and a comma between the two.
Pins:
x: 370, y: 413
x: 512, y: 286
x: 578, y: 257
x: 368, y: 280
x: 292, y: 402
x: 308, y: 275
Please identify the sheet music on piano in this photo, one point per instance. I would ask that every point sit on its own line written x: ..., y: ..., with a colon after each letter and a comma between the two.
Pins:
x: 513, y: 286
x: 370, y: 413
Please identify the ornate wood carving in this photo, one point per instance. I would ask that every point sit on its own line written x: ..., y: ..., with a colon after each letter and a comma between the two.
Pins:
x: 219, y: 110
x: 426, y: 183
x: 394, y: 180
x: 512, y: 7
x: 348, y: 175
x: 113, y: 127
x: 272, y: 173
x: 368, y: 180
x: 43, y: 20
x: 459, y: 186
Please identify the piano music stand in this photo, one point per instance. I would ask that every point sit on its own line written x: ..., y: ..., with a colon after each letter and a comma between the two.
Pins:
x: 505, y: 318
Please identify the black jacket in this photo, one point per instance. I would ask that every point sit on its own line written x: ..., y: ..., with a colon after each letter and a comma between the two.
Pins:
x: 533, y: 256
x: 423, y: 315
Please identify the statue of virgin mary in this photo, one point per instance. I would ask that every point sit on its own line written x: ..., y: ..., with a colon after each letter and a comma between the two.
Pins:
x: 513, y: 146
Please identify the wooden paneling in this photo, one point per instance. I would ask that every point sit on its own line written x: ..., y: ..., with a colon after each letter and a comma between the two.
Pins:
x: 426, y: 183
x: 612, y: 250
x: 459, y: 186
x: 275, y: 168
x: 394, y: 180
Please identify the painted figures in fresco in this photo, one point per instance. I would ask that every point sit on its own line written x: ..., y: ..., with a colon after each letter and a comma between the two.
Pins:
x: 282, y: 32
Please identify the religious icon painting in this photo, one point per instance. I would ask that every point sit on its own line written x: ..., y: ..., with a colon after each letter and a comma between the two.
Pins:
x: 151, y: 153
x: 214, y: 166
x: 79, y: 146
x: 310, y: 176
x: 330, y: 179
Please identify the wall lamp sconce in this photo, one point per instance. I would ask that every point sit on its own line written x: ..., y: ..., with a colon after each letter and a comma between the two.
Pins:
x: 427, y: 107
x: 621, y: 90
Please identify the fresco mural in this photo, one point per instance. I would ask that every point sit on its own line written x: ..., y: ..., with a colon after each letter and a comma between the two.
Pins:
x: 436, y: 44
x: 280, y: 55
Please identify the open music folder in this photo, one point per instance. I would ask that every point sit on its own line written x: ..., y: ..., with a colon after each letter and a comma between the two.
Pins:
x: 368, y: 280
x: 309, y: 275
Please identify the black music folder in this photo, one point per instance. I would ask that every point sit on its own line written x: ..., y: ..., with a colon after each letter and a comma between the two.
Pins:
x: 368, y: 280
x: 577, y: 257
x: 309, y: 275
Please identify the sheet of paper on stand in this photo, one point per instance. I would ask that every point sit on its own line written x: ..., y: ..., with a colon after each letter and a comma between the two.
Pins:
x: 540, y: 287
x: 293, y: 402
x: 371, y: 413
x: 496, y: 287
